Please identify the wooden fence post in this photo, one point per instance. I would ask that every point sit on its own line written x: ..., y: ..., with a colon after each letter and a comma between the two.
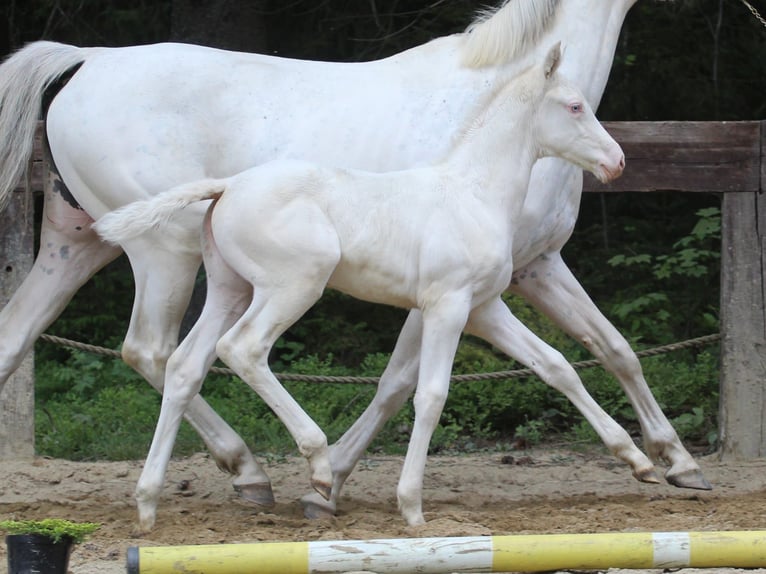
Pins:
x: 17, y: 407
x: 743, y: 324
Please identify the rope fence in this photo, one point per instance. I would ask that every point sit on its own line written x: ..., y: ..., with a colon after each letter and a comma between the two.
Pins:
x: 754, y: 12
x: 512, y: 374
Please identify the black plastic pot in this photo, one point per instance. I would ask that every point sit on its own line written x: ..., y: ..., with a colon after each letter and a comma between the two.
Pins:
x: 37, y: 554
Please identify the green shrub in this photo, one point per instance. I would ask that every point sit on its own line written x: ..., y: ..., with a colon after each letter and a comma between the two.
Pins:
x: 54, y: 528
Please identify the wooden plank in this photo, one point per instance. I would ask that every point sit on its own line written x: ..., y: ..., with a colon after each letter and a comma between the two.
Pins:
x: 37, y: 163
x: 763, y: 156
x: 17, y: 408
x: 686, y: 156
x: 661, y: 156
x: 742, y: 414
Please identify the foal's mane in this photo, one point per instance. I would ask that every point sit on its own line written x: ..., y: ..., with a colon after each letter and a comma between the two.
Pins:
x: 524, y: 86
x: 499, y: 35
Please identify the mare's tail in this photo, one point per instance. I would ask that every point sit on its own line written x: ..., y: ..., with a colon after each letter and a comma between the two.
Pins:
x: 24, y: 77
x: 141, y: 216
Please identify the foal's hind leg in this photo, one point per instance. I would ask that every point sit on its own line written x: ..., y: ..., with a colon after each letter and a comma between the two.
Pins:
x: 245, y: 348
x: 550, y: 286
x: 495, y: 323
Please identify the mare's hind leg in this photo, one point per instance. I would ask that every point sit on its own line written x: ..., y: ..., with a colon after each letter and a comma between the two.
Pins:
x: 70, y: 253
x: 495, y: 323
x: 550, y: 286
x: 227, y: 298
x: 164, y: 281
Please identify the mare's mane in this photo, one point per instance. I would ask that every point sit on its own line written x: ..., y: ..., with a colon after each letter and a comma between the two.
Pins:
x: 502, y: 34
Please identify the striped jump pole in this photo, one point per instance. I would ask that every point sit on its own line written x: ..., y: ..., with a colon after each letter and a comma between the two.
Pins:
x: 525, y: 553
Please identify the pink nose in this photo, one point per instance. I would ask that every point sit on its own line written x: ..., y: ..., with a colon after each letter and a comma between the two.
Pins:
x: 614, y: 171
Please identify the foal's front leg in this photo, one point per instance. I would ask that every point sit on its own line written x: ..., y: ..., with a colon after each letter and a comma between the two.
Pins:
x: 442, y: 325
x: 396, y: 385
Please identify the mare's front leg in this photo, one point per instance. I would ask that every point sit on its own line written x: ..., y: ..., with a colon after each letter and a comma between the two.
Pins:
x: 443, y: 323
x: 495, y: 323
x: 396, y: 385
x: 227, y: 299
x: 548, y: 284
x: 70, y: 253
x: 164, y: 280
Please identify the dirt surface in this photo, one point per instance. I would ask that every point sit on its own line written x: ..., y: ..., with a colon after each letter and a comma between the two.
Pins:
x: 545, y: 491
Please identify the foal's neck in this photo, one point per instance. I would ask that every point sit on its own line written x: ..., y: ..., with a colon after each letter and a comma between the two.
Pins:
x: 498, y: 149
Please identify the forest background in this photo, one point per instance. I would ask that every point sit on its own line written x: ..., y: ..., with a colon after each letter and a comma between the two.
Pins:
x: 650, y: 261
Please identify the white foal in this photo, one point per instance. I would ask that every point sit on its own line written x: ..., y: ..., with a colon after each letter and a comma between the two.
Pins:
x: 438, y: 239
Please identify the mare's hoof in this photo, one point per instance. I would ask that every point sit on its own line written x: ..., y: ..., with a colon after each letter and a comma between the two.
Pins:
x: 649, y: 476
x: 689, y: 479
x: 317, y: 508
x: 259, y: 493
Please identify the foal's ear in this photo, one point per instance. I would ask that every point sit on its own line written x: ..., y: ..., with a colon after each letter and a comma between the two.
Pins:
x: 552, y: 60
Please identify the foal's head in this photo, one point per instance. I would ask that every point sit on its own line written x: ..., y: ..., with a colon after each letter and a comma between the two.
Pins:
x: 566, y: 127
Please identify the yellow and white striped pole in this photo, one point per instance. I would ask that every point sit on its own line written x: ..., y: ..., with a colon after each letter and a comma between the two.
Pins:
x: 525, y: 553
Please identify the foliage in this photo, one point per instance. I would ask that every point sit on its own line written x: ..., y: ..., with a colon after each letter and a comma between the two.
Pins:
x: 55, y: 528
x: 660, y: 310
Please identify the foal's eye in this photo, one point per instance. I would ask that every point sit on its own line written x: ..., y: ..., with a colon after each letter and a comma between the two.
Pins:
x: 575, y: 108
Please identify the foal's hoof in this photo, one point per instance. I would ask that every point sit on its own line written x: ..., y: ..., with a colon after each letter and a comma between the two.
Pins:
x: 317, y: 508
x: 259, y: 493
x: 689, y: 479
x: 323, y: 488
x: 648, y: 475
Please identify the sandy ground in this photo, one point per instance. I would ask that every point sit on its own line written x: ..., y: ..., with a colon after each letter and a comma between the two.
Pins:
x: 545, y: 491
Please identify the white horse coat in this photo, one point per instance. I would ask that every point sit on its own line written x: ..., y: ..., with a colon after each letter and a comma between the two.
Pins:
x: 438, y: 239
x: 132, y: 122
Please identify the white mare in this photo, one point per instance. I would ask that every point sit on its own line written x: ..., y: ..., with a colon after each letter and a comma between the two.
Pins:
x: 132, y: 122
x: 438, y: 239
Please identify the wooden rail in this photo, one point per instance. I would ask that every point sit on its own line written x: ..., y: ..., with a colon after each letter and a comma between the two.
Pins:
x: 717, y: 157
x: 687, y: 156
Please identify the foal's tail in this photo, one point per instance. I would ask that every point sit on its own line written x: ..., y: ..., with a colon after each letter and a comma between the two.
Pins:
x: 139, y: 217
x: 24, y: 77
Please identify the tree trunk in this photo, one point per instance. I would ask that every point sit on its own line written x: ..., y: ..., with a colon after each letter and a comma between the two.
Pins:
x: 17, y: 409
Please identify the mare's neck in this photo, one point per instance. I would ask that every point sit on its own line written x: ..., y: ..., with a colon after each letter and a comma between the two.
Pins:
x: 589, y: 30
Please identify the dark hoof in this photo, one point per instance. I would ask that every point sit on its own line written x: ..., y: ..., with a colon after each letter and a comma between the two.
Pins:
x: 259, y: 493
x: 324, y: 489
x: 315, y: 508
x: 689, y: 479
x: 648, y: 476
